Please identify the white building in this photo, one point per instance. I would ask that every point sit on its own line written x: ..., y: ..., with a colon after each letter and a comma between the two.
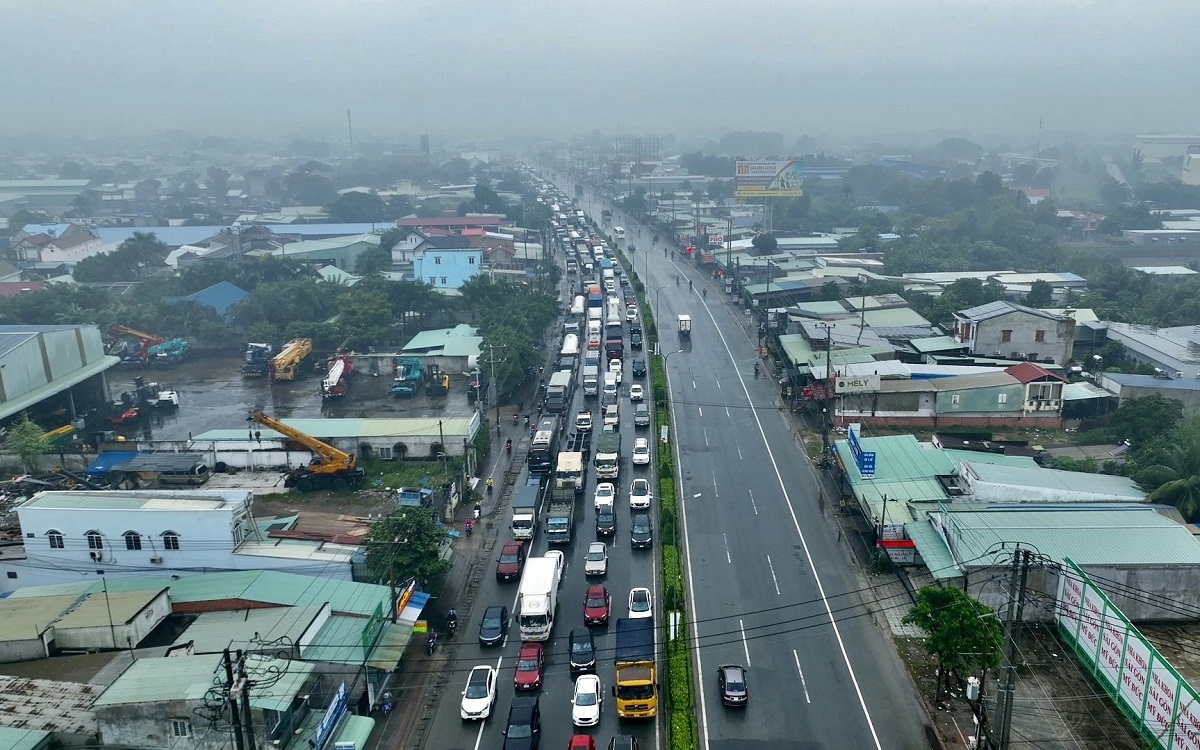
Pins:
x: 71, y: 536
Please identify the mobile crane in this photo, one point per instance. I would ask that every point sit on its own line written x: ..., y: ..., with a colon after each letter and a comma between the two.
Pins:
x: 286, y: 363
x: 330, y: 468
x: 140, y: 353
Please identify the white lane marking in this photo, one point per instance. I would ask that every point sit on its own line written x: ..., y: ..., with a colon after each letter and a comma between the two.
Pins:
x: 705, y: 431
x: 773, y: 578
x: 728, y: 559
x: 745, y: 643
x: 693, y: 384
x: 752, y: 503
x: 803, y: 682
x: 739, y: 449
x: 715, y: 493
x: 701, y: 410
x: 837, y: 632
x: 718, y: 383
x: 483, y: 724
x: 696, y: 494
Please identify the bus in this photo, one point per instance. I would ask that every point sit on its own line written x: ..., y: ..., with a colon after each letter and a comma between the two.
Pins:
x: 544, y: 446
x: 620, y: 232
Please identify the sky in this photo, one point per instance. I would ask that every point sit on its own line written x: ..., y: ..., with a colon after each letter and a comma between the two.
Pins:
x: 498, y: 68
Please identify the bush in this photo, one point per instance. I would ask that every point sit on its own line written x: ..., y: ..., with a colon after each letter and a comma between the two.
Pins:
x: 672, y: 586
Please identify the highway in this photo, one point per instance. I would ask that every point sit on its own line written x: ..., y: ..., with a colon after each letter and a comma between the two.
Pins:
x: 626, y: 569
x: 770, y: 587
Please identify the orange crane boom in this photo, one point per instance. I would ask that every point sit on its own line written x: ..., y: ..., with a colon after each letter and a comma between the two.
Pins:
x: 330, y: 468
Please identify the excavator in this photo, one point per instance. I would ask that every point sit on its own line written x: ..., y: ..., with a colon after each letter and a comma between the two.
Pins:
x: 330, y: 468
x: 287, y: 362
x: 134, y: 353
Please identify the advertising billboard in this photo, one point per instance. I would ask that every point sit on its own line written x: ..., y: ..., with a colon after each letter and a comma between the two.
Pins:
x: 861, y: 384
x: 769, y: 178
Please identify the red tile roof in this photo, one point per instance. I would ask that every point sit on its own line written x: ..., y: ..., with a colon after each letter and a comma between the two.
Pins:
x: 13, y: 288
x: 473, y: 232
x: 1028, y: 372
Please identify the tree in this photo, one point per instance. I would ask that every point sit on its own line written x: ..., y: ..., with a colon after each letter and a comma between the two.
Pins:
x: 373, y: 262
x: 964, y: 634
x: 765, y: 243
x: 1041, y: 294
x: 218, y: 184
x: 358, y: 208
x: 1176, y: 480
x: 388, y: 239
x: 306, y: 188
x: 26, y: 439
x: 1141, y: 420
x: 406, y: 544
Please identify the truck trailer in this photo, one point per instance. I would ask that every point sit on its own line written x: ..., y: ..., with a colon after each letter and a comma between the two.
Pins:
x: 537, y: 600
x: 636, y: 688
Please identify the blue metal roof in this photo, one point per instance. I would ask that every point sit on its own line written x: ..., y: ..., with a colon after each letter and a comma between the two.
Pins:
x: 106, y: 462
x: 220, y: 296
x: 176, y: 236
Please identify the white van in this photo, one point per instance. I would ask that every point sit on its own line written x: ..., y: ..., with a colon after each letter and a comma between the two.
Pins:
x: 577, y: 306
x: 608, y: 393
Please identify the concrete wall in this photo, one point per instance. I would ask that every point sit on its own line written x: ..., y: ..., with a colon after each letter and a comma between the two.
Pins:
x: 1059, y: 336
x: 119, y: 634
x: 997, y: 421
x: 1171, y: 593
x: 455, y: 266
x: 149, y: 725
x: 29, y: 649
x: 1000, y: 399
x: 1189, y: 399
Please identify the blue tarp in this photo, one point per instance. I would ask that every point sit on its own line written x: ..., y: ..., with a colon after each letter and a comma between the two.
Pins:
x: 106, y: 462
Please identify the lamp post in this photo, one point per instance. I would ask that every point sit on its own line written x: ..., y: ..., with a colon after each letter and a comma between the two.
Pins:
x: 656, y: 290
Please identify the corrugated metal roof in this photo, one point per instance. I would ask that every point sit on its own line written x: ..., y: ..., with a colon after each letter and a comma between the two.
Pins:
x: 100, y: 608
x: 189, y: 678
x: 934, y: 552
x: 1119, y: 488
x: 213, y: 631
x: 998, y: 308
x: 21, y: 619
x: 1126, y: 536
x: 1083, y: 391
x: 339, y: 641
x: 894, y: 317
x: 968, y: 382
x: 23, y: 739
x: 935, y: 344
x: 349, y: 428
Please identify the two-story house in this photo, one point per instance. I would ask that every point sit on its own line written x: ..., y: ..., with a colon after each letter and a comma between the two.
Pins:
x: 72, y: 245
x: 1008, y: 330
x: 74, y: 536
x: 442, y: 261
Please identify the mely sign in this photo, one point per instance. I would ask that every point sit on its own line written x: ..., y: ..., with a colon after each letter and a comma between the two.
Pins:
x: 863, y: 384
x: 865, y: 460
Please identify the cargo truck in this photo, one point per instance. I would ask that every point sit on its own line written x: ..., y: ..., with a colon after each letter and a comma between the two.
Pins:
x: 591, y: 381
x: 608, y: 455
x: 685, y: 326
x: 526, y: 506
x: 537, y: 599
x: 559, y: 391
x: 560, y: 519
x: 636, y: 685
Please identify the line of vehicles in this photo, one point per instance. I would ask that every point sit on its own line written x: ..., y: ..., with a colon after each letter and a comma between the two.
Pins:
x: 563, y: 446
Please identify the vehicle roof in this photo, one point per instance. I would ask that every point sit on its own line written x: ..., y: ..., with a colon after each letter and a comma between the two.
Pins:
x: 596, y: 588
x: 510, y: 544
x: 491, y: 607
x: 479, y: 667
x: 595, y: 545
x: 529, y: 646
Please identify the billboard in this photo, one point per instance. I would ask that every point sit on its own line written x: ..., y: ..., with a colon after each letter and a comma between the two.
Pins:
x: 861, y: 384
x: 865, y: 460
x: 769, y: 178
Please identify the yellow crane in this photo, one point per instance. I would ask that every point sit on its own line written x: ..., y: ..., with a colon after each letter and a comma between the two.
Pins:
x: 287, y: 362
x: 330, y: 468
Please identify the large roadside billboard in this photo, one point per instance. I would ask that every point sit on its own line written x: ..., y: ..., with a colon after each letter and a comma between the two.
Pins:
x: 769, y: 178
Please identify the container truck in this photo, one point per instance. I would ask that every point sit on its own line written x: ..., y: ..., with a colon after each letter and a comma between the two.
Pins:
x: 559, y: 391
x: 537, y: 599
x: 636, y: 685
x: 608, y: 455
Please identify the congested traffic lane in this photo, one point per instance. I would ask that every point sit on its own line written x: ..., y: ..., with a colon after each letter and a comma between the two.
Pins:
x: 762, y: 557
x: 626, y: 569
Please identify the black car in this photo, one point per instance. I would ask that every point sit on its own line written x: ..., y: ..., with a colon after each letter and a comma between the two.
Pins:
x: 583, y: 651
x: 641, y: 532
x: 606, y: 523
x: 622, y: 742
x: 635, y: 340
x: 731, y: 679
x: 639, y: 368
x: 635, y: 325
x: 493, y: 626
x: 524, y: 728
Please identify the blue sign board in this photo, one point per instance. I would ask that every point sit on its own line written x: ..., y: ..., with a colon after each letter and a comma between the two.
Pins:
x: 864, y: 460
x: 333, y: 715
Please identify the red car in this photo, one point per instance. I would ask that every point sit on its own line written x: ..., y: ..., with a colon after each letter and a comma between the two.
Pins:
x: 511, y: 562
x: 596, y: 604
x: 530, y: 661
x: 581, y: 742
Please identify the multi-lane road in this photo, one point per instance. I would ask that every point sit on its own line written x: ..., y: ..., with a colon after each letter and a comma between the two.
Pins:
x: 769, y: 586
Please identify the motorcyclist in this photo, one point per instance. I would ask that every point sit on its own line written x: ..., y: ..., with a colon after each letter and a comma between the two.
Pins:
x: 756, y: 369
x: 689, y: 285
x: 451, y: 620
x: 469, y: 526
x: 490, y: 484
x: 508, y: 446
x: 431, y: 643
x: 704, y: 293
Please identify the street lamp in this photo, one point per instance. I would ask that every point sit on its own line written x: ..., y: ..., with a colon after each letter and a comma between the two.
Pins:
x: 656, y: 290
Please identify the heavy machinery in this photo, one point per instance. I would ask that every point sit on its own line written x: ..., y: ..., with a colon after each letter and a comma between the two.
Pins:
x: 287, y: 362
x: 256, y: 362
x: 330, y: 468
x: 333, y: 385
x: 125, y: 409
x: 155, y: 395
x: 135, y: 351
x: 409, y: 372
x: 59, y: 435
x: 169, y: 352
x: 438, y: 382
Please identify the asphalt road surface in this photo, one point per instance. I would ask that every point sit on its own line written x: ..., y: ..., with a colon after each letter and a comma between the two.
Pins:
x: 626, y: 569
x: 771, y: 588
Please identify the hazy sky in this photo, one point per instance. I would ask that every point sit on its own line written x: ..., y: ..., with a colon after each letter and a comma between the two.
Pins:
x: 474, y: 68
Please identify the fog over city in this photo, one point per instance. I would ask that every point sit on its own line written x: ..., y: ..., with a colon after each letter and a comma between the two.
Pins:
x: 465, y: 68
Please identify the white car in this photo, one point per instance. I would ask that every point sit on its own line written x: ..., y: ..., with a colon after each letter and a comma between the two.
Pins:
x: 636, y: 392
x: 641, y: 455
x: 639, y: 493
x: 641, y: 603
x: 606, y: 495
x: 583, y: 421
x: 631, y: 313
x: 612, y: 416
x: 586, y: 702
x: 595, y: 562
x: 480, y: 693
x: 614, y: 366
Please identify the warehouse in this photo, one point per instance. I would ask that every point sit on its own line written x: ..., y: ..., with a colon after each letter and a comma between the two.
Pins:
x: 54, y: 373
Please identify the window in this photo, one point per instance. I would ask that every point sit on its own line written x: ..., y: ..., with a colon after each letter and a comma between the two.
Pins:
x: 237, y: 534
x: 1002, y: 398
x: 133, y: 540
x: 95, y: 541
x: 1005, y: 337
x: 471, y: 260
x: 181, y: 728
x: 170, y: 540
x: 385, y: 452
x: 954, y: 399
x: 437, y: 260
x: 432, y: 280
x: 443, y: 279
x: 12, y: 574
x: 1039, y: 336
x: 56, y: 539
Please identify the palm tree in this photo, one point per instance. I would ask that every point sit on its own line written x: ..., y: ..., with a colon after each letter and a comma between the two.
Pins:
x: 1176, y: 481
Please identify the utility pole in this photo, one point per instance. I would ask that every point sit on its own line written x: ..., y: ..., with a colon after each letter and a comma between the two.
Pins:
x: 827, y: 408
x: 231, y: 699
x: 495, y: 388
x: 244, y: 681
x: 1012, y: 634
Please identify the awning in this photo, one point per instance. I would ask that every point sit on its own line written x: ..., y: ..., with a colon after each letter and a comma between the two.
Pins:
x: 28, y: 399
x: 1084, y: 391
x: 933, y: 550
x: 392, y: 642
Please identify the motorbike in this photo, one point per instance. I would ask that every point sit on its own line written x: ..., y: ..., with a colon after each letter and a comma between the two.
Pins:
x: 508, y: 446
x: 451, y: 623
x: 431, y: 644
x: 469, y: 526
x: 756, y: 370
